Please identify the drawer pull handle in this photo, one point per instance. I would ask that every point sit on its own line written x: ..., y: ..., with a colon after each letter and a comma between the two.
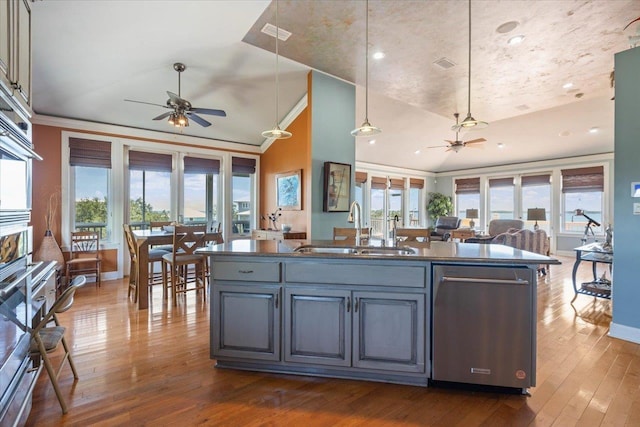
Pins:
x: 277, y: 299
x: 489, y: 281
x: 355, y: 308
x: 245, y: 271
x: 348, y: 304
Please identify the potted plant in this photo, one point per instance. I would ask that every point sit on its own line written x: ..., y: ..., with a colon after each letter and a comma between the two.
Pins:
x: 439, y: 205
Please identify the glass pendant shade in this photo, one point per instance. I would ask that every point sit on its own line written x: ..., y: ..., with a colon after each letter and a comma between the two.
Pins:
x: 366, y: 130
x: 277, y: 133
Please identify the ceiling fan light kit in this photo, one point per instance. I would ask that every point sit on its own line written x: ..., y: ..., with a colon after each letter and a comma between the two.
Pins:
x: 276, y: 132
x: 366, y: 129
x: 469, y: 122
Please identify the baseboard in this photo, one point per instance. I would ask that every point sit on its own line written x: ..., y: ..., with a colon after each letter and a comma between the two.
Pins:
x: 623, y: 332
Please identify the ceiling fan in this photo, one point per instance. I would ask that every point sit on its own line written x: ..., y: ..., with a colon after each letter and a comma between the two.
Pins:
x: 181, y: 109
x: 457, y: 145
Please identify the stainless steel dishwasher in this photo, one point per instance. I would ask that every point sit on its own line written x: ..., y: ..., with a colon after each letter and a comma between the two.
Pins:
x: 484, y: 325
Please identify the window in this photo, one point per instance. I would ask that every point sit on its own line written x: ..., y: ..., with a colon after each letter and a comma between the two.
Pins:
x: 395, y: 193
x: 90, y: 163
x: 582, y: 189
x: 200, y: 191
x: 378, y: 189
x: 386, y: 203
x: 536, y: 193
x: 149, y: 188
x: 501, y: 198
x: 467, y: 197
x: 415, y: 192
x: 242, y: 184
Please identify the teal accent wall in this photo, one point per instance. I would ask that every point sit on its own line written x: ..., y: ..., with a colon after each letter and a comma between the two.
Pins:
x: 333, y: 106
x: 626, y: 226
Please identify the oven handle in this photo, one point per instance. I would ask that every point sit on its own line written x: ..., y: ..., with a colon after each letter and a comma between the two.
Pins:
x: 31, y: 153
x: 20, y: 278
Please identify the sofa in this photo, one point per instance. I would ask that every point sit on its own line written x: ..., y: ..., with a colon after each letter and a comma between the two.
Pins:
x: 497, y: 226
x: 443, y: 227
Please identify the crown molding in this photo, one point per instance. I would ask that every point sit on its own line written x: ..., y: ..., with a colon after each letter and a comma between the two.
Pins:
x: 286, y: 122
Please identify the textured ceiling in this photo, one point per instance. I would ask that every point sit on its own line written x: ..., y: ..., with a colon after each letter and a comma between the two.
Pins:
x: 90, y: 55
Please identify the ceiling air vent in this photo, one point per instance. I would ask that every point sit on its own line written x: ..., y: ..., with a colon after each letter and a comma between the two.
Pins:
x: 445, y: 63
x: 523, y: 107
x: 270, y: 30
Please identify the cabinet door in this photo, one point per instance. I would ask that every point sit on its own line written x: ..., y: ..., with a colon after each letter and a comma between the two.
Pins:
x: 389, y: 331
x: 23, y: 50
x: 246, y: 321
x: 317, y: 326
x: 6, y: 27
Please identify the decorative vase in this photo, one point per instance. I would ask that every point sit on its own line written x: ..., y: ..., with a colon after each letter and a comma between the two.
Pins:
x: 49, y: 250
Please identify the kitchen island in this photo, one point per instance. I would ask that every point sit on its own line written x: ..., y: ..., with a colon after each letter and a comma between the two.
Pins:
x: 445, y: 312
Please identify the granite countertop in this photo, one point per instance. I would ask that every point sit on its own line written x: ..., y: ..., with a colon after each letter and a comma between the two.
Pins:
x: 435, y: 251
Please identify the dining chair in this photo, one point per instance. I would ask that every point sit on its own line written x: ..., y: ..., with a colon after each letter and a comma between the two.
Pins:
x: 155, y: 256
x: 159, y: 226
x: 409, y: 235
x: 45, y: 339
x: 185, y: 266
x: 84, y: 255
x: 348, y: 234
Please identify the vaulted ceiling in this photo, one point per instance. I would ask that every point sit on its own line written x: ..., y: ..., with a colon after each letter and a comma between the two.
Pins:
x: 89, y: 56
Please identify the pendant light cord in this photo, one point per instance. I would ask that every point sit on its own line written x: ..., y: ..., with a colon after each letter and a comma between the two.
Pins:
x: 366, y: 66
x: 469, y: 77
x: 277, y: 81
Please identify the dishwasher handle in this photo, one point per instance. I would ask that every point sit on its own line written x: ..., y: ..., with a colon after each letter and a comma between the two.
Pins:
x: 483, y: 281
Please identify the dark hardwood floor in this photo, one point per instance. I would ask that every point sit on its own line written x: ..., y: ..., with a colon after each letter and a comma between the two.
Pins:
x: 152, y: 367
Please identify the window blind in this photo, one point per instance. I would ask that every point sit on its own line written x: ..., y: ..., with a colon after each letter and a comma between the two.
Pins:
x: 243, y: 165
x: 199, y: 165
x: 583, y: 179
x: 378, y: 182
x: 416, y: 183
x: 501, y: 182
x: 535, y: 180
x: 89, y: 152
x: 468, y: 186
x: 397, y: 184
x: 139, y: 160
x: 361, y: 177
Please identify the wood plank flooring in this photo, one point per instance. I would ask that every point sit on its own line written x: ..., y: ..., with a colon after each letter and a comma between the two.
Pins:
x: 152, y: 367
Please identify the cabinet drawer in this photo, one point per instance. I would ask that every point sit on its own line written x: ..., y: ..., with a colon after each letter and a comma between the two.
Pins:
x: 412, y: 276
x: 247, y: 271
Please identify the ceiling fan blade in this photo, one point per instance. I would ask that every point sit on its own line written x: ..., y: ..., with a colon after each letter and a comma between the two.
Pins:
x: 148, y: 103
x: 438, y: 146
x: 174, y: 98
x: 209, y: 111
x: 450, y: 142
x: 475, y: 141
x: 163, y: 115
x: 199, y: 120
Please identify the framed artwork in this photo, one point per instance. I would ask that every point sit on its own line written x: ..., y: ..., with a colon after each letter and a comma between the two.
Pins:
x: 337, y: 187
x: 289, y: 190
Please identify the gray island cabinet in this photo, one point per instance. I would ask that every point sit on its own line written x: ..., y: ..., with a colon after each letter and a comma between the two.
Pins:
x: 367, y: 316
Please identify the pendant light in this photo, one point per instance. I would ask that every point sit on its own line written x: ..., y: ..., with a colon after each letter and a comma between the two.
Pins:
x: 469, y: 122
x: 276, y: 132
x: 366, y: 129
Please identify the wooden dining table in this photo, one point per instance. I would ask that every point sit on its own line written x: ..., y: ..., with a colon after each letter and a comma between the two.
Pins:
x: 144, y: 240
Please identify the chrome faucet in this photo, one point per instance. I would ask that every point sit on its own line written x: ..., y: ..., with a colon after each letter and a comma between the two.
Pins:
x: 394, y: 235
x: 355, y: 216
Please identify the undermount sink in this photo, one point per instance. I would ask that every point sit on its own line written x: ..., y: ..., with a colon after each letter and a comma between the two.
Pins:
x: 354, y: 250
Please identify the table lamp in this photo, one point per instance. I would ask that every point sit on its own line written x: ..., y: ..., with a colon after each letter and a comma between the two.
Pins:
x: 536, y: 214
x: 471, y: 215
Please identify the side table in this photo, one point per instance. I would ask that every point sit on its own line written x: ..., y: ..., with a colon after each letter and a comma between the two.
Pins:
x: 594, y: 253
x: 462, y: 234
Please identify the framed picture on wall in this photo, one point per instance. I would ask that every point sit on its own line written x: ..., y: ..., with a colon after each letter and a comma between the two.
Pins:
x: 337, y: 187
x: 289, y: 190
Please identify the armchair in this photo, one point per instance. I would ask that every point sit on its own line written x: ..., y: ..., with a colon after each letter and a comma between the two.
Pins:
x: 443, y: 227
x: 497, y: 226
x: 527, y: 240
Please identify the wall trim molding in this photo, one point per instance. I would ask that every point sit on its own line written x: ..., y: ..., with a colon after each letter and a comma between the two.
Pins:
x: 374, y: 167
x: 286, y: 122
x: 133, y: 133
x: 624, y: 332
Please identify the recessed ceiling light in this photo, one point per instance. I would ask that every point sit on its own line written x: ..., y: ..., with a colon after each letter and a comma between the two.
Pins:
x: 594, y: 130
x: 372, y: 141
x: 378, y: 55
x: 564, y: 133
x: 417, y: 152
x: 567, y: 85
x: 515, y: 40
x: 507, y: 27
x: 500, y: 145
